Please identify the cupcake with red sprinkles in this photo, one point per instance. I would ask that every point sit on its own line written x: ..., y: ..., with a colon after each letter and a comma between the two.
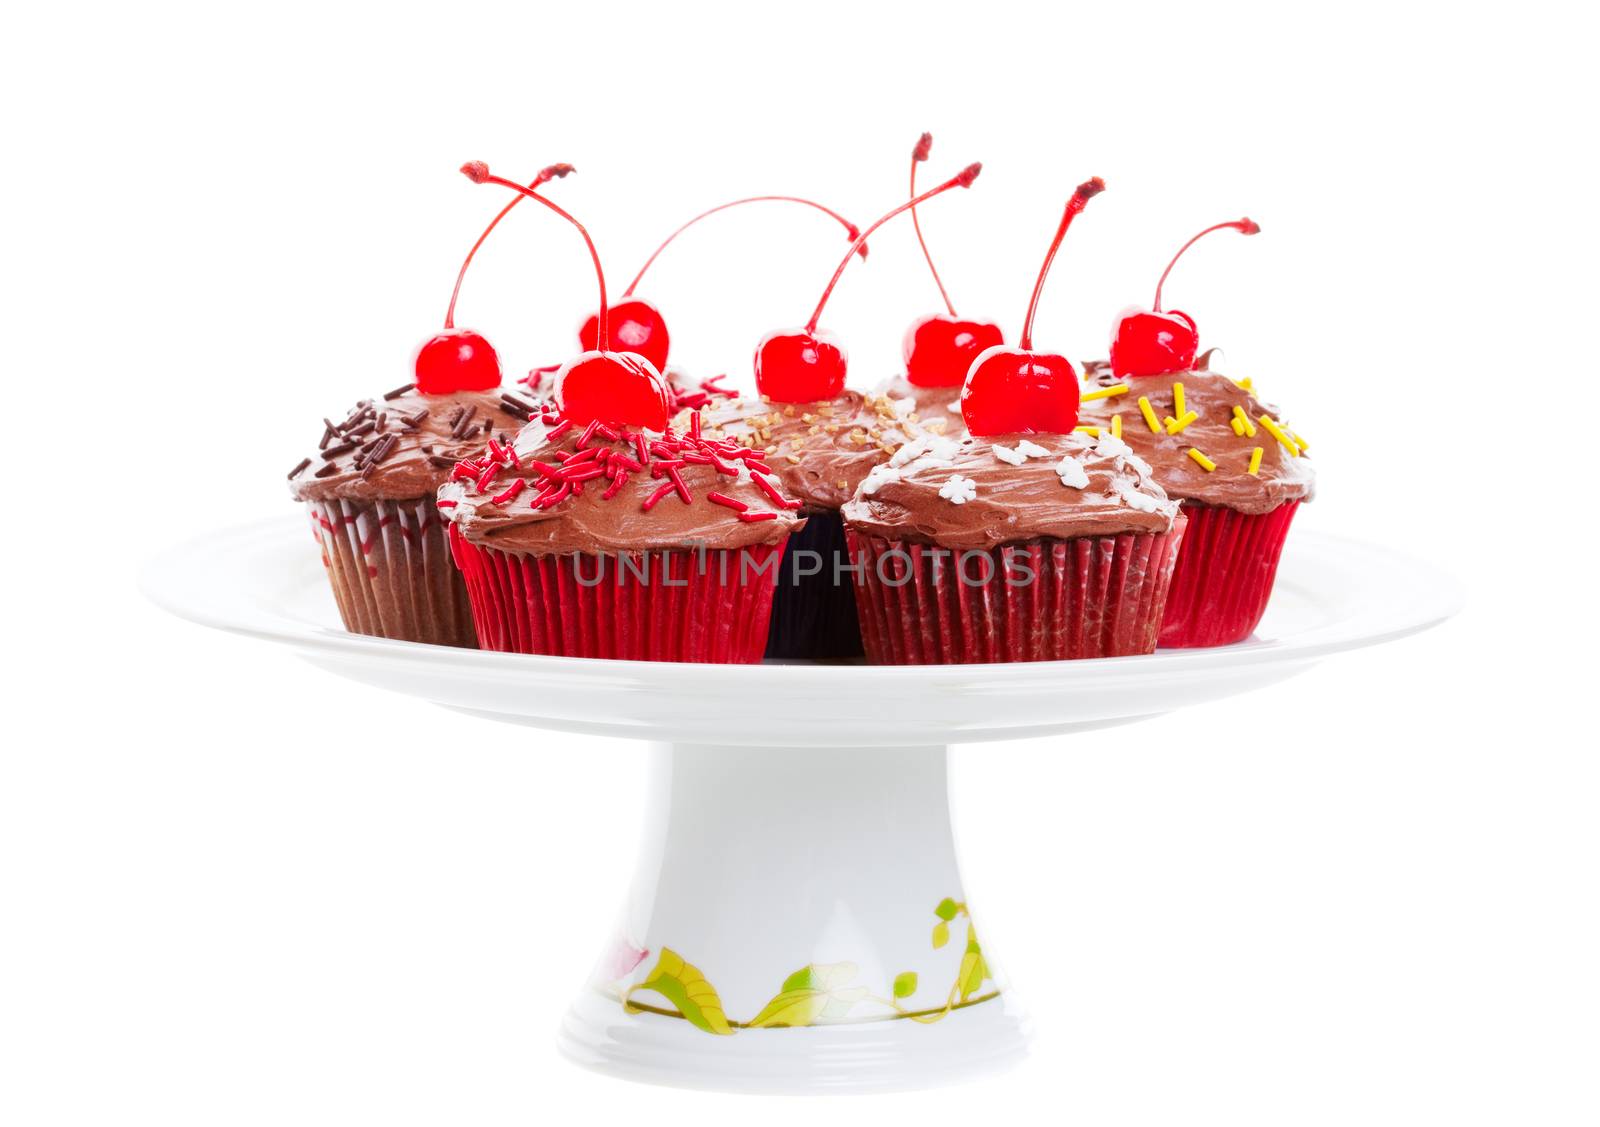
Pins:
x: 602, y: 531
x: 369, y: 485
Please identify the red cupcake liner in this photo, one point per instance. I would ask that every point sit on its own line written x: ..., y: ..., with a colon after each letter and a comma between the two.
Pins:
x: 390, y: 567
x: 655, y: 606
x: 1088, y: 597
x: 1224, y: 574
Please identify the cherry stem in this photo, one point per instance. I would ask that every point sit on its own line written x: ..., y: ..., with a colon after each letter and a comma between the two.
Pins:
x: 551, y: 173
x: 962, y: 179
x: 918, y: 155
x: 1243, y: 226
x: 479, y: 173
x: 851, y: 230
x: 1081, y: 196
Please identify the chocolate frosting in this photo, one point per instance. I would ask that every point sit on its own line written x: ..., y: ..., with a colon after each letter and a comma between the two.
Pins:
x: 933, y: 403
x: 984, y: 493
x: 505, y: 516
x: 430, y: 434
x: 822, y: 451
x: 1282, y: 476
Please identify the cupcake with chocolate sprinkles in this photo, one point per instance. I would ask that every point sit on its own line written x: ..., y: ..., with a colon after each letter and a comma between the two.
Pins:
x: 820, y: 453
x: 369, y: 489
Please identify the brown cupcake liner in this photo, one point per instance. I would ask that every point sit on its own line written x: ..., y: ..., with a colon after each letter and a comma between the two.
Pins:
x: 390, y: 567
x: 1224, y: 574
x: 708, y: 606
x: 1087, y: 597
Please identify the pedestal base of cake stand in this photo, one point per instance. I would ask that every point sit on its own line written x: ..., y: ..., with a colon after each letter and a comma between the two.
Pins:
x: 797, y: 922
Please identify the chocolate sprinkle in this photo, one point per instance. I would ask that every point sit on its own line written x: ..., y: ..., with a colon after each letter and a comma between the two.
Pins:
x: 294, y: 473
x: 398, y: 392
x: 333, y: 452
x: 330, y: 468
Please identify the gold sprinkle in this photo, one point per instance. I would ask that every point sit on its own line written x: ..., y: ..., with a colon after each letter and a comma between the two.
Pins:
x: 1255, y: 462
x: 937, y: 426
x: 842, y: 483
x: 1104, y: 392
x: 826, y: 409
x: 808, y: 417
x: 1277, y: 432
x: 1176, y: 426
x: 1204, y: 462
x: 1149, y: 414
x: 792, y: 458
x: 1178, y: 408
x: 1116, y: 426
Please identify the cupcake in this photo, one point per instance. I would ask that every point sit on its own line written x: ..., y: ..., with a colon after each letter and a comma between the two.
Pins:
x: 600, y: 531
x: 620, y: 541
x: 1027, y: 547
x: 1239, y: 469
x: 369, y: 490
x: 370, y: 486
x: 831, y: 438
x: 820, y: 453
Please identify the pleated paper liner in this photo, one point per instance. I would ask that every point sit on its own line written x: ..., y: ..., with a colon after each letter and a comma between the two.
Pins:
x: 1088, y: 597
x: 1224, y: 575
x: 814, y: 614
x: 657, y: 606
x: 390, y: 567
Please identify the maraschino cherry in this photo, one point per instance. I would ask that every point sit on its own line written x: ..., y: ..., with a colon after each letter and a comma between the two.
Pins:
x: 599, y: 385
x: 939, y: 348
x: 1150, y: 342
x: 1020, y: 391
x: 808, y: 364
x: 461, y: 359
x: 637, y: 325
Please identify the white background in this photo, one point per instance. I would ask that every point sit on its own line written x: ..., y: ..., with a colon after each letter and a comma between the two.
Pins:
x: 235, y: 891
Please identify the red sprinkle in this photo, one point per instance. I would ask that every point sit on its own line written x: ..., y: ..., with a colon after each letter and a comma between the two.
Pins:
x: 765, y: 515
x: 615, y: 487
x: 447, y: 504
x: 654, y: 499
x: 772, y: 492
x: 677, y: 481
x: 559, y: 429
x: 511, y: 492
x: 731, y: 502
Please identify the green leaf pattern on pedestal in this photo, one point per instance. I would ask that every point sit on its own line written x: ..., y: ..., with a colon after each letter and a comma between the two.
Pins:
x: 820, y: 993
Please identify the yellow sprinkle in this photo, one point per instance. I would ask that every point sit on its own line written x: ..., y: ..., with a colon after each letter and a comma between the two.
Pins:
x: 1277, y: 432
x: 1205, y: 463
x: 1104, y: 392
x: 1176, y: 426
x: 1300, y: 442
x: 1238, y: 428
x: 1116, y: 426
x: 1149, y: 414
x: 1255, y: 462
x: 1244, y: 383
x: 1092, y: 432
x: 1245, y: 424
x: 1177, y: 400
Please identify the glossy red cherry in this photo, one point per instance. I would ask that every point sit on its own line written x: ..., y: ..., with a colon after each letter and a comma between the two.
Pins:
x: 939, y: 349
x: 612, y: 387
x: 805, y: 365
x: 457, y: 360
x: 1020, y: 391
x: 800, y: 365
x: 600, y: 385
x: 1150, y: 342
x: 461, y: 359
x: 637, y: 326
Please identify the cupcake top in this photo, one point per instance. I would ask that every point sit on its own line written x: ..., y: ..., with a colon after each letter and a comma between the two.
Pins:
x: 1204, y: 448
x: 560, y: 489
x: 821, y: 451
x: 933, y: 403
x: 984, y: 493
x: 405, y: 444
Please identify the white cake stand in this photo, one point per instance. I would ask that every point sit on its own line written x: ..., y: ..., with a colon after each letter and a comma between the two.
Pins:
x: 797, y: 920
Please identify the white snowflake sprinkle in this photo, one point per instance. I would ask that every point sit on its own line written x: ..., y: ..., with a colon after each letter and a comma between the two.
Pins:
x: 1110, y: 446
x: 903, y: 407
x: 1072, y: 473
x: 954, y: 406
x: 1032, y: 449
x: 1008, y: 455
x: 1136, y: 499
x: 878, y: 477
x: 958, y: 490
